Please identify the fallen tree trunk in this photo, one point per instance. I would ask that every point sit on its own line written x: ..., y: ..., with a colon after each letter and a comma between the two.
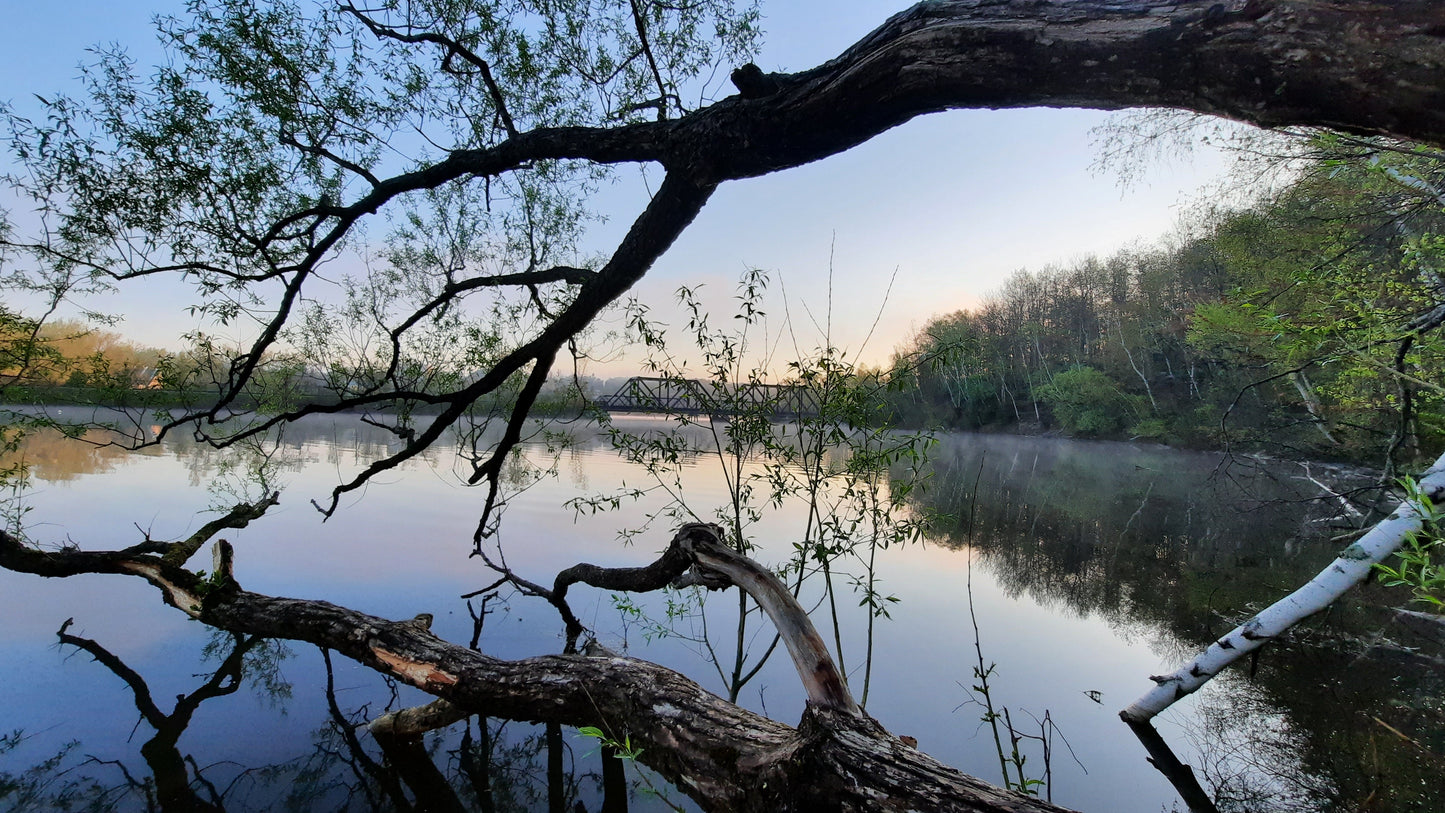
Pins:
x: 1351, y: 567
x: 720, y: 754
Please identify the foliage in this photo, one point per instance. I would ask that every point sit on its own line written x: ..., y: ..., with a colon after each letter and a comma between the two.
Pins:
x: 251, y: 157
x: 1087, y: 402
x: 850, y: 473
x: 624, y: 750
x: 52, y: 785
x: 1420, y: 562
x: 624, y: 747
x: 1309, y: 318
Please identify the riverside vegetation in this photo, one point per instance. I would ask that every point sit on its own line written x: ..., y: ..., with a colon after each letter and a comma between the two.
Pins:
x: 1305, y: 323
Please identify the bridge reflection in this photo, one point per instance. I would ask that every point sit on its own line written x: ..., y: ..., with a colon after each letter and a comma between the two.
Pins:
x: 687, y: 396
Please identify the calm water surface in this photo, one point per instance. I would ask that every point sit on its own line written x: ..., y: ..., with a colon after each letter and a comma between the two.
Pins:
x: 1093, y: 566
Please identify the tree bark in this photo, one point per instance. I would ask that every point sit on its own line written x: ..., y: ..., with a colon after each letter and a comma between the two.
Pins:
x: 1369, y: 67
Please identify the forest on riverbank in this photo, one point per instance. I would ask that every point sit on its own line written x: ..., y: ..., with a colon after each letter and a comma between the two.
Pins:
x: 1307, y: 323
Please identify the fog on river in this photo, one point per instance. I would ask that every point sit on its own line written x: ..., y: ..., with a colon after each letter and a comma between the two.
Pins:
x: 1094, y: 565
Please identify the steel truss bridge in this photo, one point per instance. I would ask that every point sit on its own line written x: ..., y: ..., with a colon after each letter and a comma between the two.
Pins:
x: 688, y: 396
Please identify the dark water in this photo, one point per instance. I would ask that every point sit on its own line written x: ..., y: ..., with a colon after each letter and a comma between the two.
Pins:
x: 1094, y: 566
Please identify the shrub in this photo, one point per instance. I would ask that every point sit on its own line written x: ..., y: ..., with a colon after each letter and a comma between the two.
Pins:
x: 1088, y: 402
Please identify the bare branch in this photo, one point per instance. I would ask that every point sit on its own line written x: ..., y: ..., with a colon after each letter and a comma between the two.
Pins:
x: 238, y: 517
x: 640, y: 22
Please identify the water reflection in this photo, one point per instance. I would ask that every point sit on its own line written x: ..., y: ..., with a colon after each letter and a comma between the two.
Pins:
x: 1112, y: 560
x: 1133, y: 534
x: 56, y: 458
x: 489, y: 765
x: 173, y: 780
x: 1179, y: 548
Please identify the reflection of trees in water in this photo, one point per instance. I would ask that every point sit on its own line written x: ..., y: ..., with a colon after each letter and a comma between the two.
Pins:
x: 1350, y: 703
x: 1122, y: 532
x: 1159, y: 543
x: 1325, y: 730
x: 51, y: 784
x: 487, y: 765
x: 1249, y: 755
x: 52, y: 456
x: 176, y: 781
x: 342, y: 442
x: 490, y: 765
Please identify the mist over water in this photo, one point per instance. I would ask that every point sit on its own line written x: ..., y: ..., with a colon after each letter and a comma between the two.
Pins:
x: 1093, y: 566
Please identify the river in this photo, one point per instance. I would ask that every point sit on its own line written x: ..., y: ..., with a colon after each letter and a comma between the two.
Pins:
x: 1092, y: 566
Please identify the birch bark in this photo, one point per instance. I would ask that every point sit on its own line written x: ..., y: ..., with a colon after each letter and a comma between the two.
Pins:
x: 1346, y: 571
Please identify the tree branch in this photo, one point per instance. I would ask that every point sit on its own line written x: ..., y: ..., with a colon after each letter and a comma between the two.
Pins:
x: 238, y: 517
x: 321, y: 152
x: 723, y: 756
x: 453, y: 48
x: 640, y: 23
x: 700, y: 546
x: 1351, y: 567
x: 677, y: 202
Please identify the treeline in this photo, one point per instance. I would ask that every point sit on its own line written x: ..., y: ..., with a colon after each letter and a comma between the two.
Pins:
x: 72, y: 362
x: 69, y: 353
x: 1310, y: 321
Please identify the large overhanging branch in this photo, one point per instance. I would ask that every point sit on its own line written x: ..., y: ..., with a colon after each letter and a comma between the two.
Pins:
x: 1351, y: 567
x: 723, y: 756
x: 1370, y: 67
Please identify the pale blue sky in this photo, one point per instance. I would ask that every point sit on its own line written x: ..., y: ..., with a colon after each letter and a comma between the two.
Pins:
x: 955, y: 202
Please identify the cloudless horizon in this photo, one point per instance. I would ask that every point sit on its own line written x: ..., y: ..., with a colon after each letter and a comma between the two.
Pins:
x: 947, y: 206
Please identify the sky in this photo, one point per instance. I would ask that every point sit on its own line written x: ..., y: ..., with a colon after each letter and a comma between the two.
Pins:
x: 946, y: 206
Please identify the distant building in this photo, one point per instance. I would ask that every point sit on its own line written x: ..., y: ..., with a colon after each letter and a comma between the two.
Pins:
x: 145, y: 378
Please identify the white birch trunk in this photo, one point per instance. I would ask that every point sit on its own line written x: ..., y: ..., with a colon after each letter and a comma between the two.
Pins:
x: 1351, y: 568
x: 1312, y: 403
x: 1148, y: 390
